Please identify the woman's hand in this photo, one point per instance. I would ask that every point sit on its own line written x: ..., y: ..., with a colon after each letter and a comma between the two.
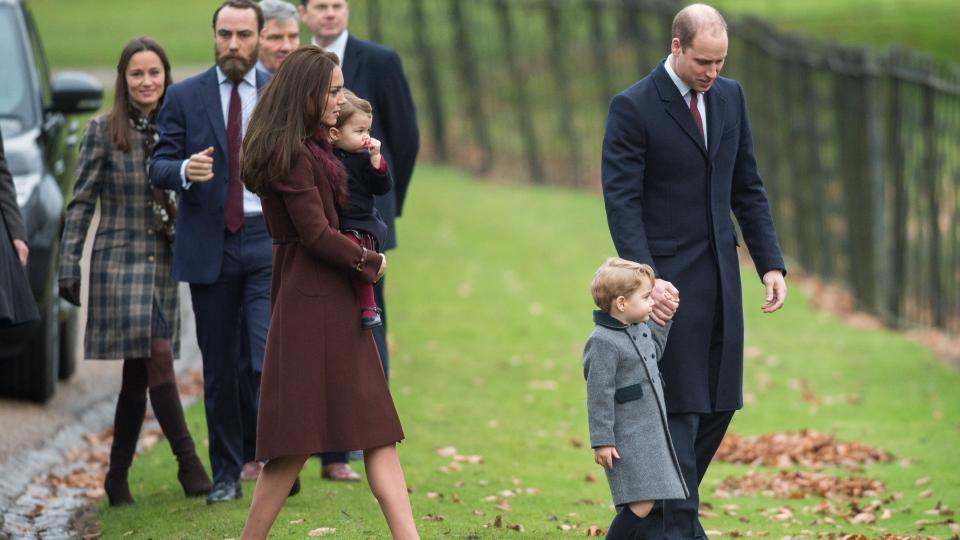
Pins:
x: 383, y: 265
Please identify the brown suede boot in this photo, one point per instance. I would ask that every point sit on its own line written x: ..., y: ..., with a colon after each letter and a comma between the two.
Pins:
x: 166, y: 407
x: 126, y: 430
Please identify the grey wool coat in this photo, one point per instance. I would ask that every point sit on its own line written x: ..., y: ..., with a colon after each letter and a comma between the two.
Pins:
x: 130, y: 265
x: 626, y: 409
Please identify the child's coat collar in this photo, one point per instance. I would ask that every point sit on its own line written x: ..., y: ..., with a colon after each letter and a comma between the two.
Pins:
x: 605, y: 319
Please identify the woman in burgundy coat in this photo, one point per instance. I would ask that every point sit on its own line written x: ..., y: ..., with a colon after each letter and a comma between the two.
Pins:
x: 323, y: 389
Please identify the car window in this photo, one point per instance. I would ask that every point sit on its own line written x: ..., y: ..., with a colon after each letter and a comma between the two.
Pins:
x: 39, y: 62
x: 18, y: 109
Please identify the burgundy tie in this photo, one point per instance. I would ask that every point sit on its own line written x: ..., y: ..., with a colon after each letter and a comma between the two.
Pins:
x: 233, y: 211
x: 696, y: 112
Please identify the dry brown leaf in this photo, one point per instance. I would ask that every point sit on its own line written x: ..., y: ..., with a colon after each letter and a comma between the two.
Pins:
x: 446, y: 451
x: 594, y: 531
x: 502, y: 504
x: 589, y: 477
x: 322, y: 531
x: 297, y: 521
x: 432, y: 517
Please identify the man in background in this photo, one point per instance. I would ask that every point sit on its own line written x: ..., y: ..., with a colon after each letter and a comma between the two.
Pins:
x: 222, y: 247
x: 280, y: 35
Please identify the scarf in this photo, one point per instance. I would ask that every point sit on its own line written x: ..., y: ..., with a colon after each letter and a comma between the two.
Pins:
x: 163, y: 202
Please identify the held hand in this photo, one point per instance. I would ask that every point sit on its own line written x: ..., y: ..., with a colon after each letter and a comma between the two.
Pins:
x: 22, y: 251
x: 383, y: 265
x: 70, y: 290
x: 373, y: 146
x: 776, y: 287
x: 666, y: 300
x: 200, y: 166
x: 604, y: 456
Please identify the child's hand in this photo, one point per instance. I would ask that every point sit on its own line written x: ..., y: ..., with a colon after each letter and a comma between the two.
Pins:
x: 604, y: 456
x: 373, y: 147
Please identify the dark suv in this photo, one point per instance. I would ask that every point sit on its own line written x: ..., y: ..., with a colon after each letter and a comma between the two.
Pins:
x: 39, y: 146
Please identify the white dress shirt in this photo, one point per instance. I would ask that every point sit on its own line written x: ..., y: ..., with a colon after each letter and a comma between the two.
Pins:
x: 337, y: 46
x: 248, y: 100
x: 685, y: 92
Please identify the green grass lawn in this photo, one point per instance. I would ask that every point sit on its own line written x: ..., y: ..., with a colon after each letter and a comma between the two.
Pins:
x: 489, y: 307
x: 926, y: 25
x: 91, y: 32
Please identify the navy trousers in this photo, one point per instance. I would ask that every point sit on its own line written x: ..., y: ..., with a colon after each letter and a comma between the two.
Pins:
x: 232, y: 315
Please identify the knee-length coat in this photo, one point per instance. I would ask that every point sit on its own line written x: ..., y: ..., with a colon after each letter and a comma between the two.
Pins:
x: 323, y: 388
x: 130, y: 264
x: 626, y: 409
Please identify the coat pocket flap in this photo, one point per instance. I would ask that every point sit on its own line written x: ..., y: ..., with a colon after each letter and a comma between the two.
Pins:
x: 628, y: 393
x: 662, y: 247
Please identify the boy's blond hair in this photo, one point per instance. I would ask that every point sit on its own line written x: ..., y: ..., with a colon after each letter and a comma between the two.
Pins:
x: 354, y: 104
x: 618, y: 277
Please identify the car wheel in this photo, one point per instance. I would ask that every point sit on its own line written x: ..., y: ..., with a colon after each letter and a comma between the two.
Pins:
x: 69, y: 325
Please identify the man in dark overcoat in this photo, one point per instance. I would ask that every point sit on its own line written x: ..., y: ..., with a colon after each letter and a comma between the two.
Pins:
x: 222, y: 248
x: 677, y: 159
x: 374, y: 73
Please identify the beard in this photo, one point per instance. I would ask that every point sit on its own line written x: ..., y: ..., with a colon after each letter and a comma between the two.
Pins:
x: 235, y: 66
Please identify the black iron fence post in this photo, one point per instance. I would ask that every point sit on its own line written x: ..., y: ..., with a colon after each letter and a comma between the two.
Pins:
x: 431, y: 84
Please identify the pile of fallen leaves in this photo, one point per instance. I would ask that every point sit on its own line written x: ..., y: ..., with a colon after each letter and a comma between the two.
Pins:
x: 799, y: 485
x: 806, y: 448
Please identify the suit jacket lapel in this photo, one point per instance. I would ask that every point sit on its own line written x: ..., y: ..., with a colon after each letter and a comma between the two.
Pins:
x: 676, y: 107
x: 211, y: 102
x: 352, y: 58
x: 715, y: 115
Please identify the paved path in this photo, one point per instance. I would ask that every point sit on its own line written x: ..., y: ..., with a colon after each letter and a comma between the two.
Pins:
x: 36, y: 438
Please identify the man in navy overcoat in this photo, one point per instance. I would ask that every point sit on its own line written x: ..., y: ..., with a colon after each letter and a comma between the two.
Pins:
x: 677, y: 159
x: 222, y: 248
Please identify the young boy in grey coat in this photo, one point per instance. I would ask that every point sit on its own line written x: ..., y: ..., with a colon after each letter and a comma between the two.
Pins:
x: 628, y: 418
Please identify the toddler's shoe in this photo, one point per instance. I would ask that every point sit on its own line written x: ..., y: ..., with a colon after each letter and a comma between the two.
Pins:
x: 370, y: 318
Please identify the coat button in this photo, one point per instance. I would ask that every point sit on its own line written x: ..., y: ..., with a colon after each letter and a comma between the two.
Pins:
x: 644, y: 335
x: 151, y: 258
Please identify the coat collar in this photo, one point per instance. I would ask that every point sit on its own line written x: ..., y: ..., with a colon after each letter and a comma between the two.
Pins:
x: 603, y: 318
x: 352, y: 61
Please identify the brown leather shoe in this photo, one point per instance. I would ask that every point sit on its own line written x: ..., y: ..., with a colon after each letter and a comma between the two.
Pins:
x: 251, y: 470
x: 339, y: 472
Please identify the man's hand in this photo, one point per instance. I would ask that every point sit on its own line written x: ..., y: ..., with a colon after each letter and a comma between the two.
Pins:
x: 776, y: 291
x: 200, y: 166
x: 604, y: 456
x: 373, y: 146
x: 666, y: 300
x: 383, y: 265
x: 22, y: 251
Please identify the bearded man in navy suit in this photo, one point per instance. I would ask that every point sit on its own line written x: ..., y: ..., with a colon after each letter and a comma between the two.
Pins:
x: 222, y: 248
x: 677, y: 159
x: 374, y: 73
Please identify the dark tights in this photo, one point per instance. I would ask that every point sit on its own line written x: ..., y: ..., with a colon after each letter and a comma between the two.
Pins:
x: 142, y: 373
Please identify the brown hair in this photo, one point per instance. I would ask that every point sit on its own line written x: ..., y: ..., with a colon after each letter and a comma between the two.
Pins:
x: 118, y: 120
x: 240, y: 4
x: 286, y: 114
x: 694, y: 18
x: 618, y: 277
x: 353, y: 105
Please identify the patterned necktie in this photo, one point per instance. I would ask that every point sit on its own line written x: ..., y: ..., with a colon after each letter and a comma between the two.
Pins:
x: 695, y: 111
x: 233, y: 210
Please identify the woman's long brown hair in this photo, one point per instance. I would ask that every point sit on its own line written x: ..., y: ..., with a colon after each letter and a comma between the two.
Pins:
x: 118, y: 120
x: 289, y: 110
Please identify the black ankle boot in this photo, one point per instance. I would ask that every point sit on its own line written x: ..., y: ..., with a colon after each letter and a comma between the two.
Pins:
x: 126, y: 430
x: 166, y: 407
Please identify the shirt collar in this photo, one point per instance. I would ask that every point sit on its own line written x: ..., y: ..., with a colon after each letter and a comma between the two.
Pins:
x: 337, y: 46
x: 681, y: 86
x: 250, y: 77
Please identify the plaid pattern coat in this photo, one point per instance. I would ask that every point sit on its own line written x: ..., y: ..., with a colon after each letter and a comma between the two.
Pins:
x: 131, y: 263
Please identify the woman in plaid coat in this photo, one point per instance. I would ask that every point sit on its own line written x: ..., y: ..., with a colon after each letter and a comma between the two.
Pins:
x: 133, y: 308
